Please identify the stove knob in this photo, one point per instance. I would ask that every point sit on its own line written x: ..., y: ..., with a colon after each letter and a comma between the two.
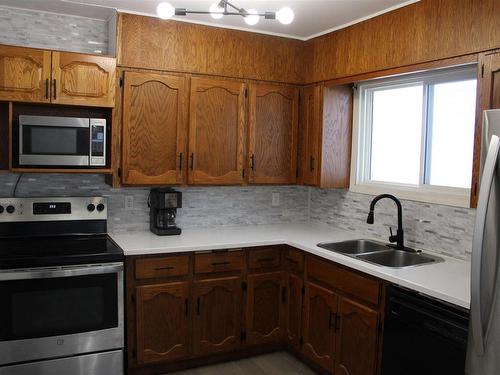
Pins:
x: 91, y: 207
x: 100, y: 207
x: 1, y: 209
x: 11, y: 209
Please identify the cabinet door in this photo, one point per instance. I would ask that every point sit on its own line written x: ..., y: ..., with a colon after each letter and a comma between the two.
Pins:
x: 83, y: 79
x: 162, y: 322
x: 217, y: 316
x: 154, y: 129
x: 310, y: 135
x: 24, y: 74
x: 265, y: 308
x: 356, y: 338
x: 216, y: 132
x: 319, y: 325
x: 294, y: 310
x: 273, y: 120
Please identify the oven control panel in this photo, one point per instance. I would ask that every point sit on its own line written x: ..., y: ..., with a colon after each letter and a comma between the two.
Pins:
x: 53, y: 209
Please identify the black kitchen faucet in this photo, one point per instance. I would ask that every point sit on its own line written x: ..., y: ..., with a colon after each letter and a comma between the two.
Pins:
x: 399, y: 237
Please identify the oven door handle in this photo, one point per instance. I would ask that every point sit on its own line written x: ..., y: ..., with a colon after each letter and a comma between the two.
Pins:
x: 63, y: 271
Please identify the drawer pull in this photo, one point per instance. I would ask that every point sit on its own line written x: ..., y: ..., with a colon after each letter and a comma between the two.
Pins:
x: 164, y: 268
x: 215, y: 264
x: 266, y: 259
x: 292, y: 260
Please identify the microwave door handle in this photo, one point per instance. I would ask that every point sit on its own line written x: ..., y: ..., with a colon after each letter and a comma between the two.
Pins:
x: 477, y: 308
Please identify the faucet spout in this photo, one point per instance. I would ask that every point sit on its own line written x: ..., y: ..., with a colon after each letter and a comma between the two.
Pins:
x: 399, y: 237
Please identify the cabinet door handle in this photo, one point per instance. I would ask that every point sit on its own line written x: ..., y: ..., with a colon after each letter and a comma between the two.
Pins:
x: 54, y: 84
x: 164, y: 268
x: 252, y: 162
x: 192, y: 161
x: 47, y: 88
x: 332, y: 319
x: 283, y: 294
x: 180, y: 161
x: 198, y: 306
x: 311, y: 163
x: 220, y: 263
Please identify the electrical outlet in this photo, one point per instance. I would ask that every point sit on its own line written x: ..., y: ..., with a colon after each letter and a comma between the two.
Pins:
x: 129, y: 202
x: 276, y: 199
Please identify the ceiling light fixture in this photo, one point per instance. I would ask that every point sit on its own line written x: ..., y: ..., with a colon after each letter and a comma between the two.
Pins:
x: 225, y: 8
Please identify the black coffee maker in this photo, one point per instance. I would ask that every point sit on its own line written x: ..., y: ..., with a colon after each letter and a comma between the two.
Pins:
x: 163, y: 204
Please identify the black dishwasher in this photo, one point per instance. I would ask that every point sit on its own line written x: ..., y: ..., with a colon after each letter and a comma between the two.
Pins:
x: 423, y: 335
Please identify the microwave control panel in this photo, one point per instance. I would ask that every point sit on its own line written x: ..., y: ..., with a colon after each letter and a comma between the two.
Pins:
x: 97, y: 142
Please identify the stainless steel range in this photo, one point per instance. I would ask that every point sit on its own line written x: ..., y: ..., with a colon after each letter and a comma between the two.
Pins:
x: 61, y: 288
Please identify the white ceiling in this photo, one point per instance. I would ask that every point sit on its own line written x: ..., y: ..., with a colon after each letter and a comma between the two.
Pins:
x: 312, y: 17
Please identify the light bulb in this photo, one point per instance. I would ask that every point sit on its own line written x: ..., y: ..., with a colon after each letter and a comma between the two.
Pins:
x: 216, y: 11
x: 252, y: 18
x: 285, y: 15
x: 165, y: 11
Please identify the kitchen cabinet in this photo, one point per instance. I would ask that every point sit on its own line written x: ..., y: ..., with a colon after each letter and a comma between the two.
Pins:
x: 154, y: 129
x: 162, y: 322
x: 217, y: 316
x: 488, y: 98
x: 217, y: 132
x: 83, y: 79
x: 25, y: 74
x: 325, y: 136
x: 356, y: 339
x: 273, y: 121
x: 40, y: 76
x: 294, y: 303
x: 310, y: 134
x: 266, y: 298
x: 320, y: 308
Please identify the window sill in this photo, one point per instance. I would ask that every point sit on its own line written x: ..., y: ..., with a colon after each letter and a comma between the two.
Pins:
x: 439, y: 195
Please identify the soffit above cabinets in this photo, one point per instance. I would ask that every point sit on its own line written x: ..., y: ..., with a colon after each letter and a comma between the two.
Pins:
x: 312, y: 17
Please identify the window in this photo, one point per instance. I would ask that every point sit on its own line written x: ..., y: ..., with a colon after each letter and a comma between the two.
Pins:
x: 414, y: 136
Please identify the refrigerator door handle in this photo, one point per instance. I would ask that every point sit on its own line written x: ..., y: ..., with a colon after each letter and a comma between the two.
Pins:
x: 490, y: 165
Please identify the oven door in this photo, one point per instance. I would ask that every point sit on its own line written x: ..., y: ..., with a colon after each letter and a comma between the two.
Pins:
x: 54, y: 141
x: 58, y: 312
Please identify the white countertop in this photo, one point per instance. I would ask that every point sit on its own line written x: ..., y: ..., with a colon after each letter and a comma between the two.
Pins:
x: 448, y: 281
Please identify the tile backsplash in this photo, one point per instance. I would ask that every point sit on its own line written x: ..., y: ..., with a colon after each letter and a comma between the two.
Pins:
x: 439, y: 228
x: 443, y: 229
x: 38, y: 29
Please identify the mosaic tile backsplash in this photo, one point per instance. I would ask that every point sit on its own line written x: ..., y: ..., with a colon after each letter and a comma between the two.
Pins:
x: 202, y: 206
x: 23, y: 27
x: 443, y: 229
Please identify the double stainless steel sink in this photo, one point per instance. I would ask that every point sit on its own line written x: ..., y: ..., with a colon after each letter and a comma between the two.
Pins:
x: 380, y: 254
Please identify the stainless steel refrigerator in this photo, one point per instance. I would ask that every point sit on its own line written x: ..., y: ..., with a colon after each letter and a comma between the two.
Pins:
x: 483, y: 352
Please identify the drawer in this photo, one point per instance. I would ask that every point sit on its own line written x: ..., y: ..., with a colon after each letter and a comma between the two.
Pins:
x: 149, y: 268
x: 294, y: 260
x: 219, y: 262
x: 264, y: 258
x: 350, y: 282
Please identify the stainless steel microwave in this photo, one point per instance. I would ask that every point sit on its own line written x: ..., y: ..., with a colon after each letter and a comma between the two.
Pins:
x: 62, y: 141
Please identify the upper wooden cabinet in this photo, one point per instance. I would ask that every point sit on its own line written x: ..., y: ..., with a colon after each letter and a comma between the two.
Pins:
x: 24, y: 74
x: 273, y: 120
x: 154, y: 129
x: 326, y: 128
x: 162, y: 322
x: 31, y: 75
x: 310, y: 134
x: 83, y: 79
x: 216, y: 132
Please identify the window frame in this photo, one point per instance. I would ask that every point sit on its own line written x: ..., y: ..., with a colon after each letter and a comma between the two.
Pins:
x: 360, y: 181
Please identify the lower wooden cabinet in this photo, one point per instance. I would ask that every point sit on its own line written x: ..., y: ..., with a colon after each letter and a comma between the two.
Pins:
x: 356, y: 339
x: 162, y: 322
x: 265, y: 308
x: 320, y: 307
x: 217, y: 316
x: 294, y: 305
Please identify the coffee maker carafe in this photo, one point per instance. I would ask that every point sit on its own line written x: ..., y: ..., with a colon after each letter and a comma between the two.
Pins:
x: 163, y: 205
